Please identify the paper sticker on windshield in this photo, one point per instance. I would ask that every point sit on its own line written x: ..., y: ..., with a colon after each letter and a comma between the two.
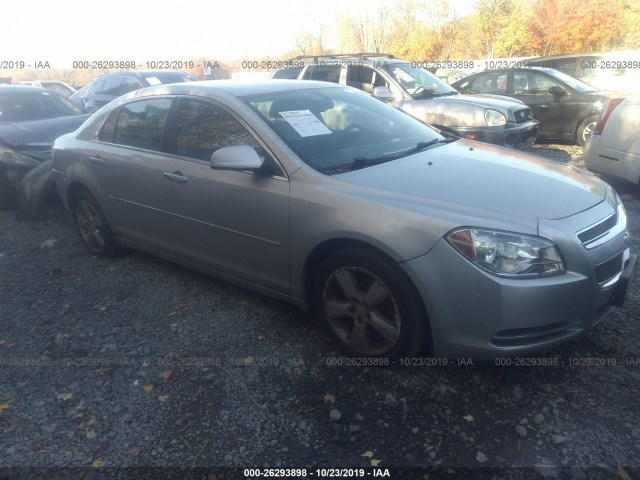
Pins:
x: 153, y: 80
x: 305, y: 123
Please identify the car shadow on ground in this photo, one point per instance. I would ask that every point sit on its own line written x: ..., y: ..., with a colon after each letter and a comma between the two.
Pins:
x: 562, y: 153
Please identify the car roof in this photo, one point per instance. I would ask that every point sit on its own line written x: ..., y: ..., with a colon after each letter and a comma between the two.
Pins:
x: 568, y: 55
x: 516, y: 69
x: 364, y: 58
x: 23, y: 88
x: 237, y: 88
x: 141, y: 73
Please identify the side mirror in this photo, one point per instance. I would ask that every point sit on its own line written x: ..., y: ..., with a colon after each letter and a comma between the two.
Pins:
x: 557, y: 91
x: 384, y: 93
x: 237, y: 157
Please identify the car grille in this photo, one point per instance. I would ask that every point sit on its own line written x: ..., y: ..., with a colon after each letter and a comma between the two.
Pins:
x: 523, y: 115
x: 609, y: 269
x: 598, y: 230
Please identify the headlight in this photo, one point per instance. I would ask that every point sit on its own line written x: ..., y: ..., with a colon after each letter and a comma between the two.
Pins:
x: 494, y: 118
x: 12, y: 158
x: 507, y: 254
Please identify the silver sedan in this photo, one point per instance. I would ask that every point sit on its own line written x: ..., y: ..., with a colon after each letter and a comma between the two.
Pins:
x: 401, y: 241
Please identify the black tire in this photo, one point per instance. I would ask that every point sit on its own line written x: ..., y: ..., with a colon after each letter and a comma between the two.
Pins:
x: 92, y: 225
x: 585, y: 128
x: 391, y: 323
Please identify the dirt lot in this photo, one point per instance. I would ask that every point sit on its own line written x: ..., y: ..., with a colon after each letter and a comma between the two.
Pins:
x: 134, y: 362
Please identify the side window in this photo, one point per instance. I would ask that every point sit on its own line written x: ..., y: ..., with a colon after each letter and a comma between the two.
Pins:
x: 464, y: 86
x: 141, y: 123
x: 130, y: 84
x: 543, y: 83
x: 532, y: 83
x: 289, y: 73
x: 112, y: 86
x: 495, y: 82
x: 203, y: 128
x: 364, y: 78
x: 567, y: 65
x: 97, y: 87
x: 323, y: 73
x: 521, y: 83
x: 109, y: 128
x: 59, y: 89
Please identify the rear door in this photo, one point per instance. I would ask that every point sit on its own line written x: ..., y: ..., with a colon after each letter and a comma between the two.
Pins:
x: 128, y: 164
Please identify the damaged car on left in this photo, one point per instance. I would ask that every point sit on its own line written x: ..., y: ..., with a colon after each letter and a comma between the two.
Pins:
x: 31, y: 118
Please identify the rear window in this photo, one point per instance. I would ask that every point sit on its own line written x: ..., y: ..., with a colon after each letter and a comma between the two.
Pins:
x: 157, y: 78
x: 323, y: 74
x: 112, y: 86
x: 287, y: 73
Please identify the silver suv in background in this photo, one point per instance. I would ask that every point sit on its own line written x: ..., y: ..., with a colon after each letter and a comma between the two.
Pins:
x: 405, y: 85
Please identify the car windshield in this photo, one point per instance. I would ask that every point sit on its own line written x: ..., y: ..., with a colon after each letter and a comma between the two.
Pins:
x: 418, y: 81
x: 574, y: 83
x: 340, y: 129
x: 22, y: 105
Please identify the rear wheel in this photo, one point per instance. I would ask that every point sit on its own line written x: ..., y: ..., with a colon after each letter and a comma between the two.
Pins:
x: 92, y: 224
x: 369, y: 306
x: 585, y: 129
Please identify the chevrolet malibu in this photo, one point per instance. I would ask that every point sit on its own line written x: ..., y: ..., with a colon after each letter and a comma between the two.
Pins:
x: 402, y: 242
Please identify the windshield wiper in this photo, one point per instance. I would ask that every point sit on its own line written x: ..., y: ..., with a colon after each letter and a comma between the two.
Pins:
x: 365, y: 162
x: 420, y: 146
x: 362, y: 162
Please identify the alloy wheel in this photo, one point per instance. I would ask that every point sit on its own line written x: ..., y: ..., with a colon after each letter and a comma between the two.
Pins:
x: 361, y: 310
x: 90, y: 226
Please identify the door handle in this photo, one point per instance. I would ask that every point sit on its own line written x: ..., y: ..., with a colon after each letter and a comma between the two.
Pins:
x: 176, y: 177
x: 96, y: 160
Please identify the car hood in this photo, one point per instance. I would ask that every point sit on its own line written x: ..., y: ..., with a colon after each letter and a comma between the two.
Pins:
x: 21, y: 135
x: 462, y: 110
x: 497, y: 102
x: 485, y: 180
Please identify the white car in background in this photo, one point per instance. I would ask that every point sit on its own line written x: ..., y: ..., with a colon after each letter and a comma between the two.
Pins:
x: 614, y: 146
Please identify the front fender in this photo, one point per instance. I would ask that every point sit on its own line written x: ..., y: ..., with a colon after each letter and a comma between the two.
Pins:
x: 34, y: 188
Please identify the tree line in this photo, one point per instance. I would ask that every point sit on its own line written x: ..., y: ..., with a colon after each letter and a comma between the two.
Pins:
x: 433, y: 30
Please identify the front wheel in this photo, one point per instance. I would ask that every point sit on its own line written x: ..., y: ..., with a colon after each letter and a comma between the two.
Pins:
x: 369, y: 306
x: 92, y: 224
x: 585, y: 129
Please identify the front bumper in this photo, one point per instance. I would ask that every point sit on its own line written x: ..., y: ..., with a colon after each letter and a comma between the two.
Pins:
x: 511, y: 135
x: 475, y: 314
x: 36, y: 186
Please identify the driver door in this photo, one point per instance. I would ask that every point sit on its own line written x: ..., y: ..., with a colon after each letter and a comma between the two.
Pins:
x: 235, y: 222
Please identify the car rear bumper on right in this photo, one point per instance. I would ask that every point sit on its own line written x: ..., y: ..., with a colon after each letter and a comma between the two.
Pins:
x: 614, y: 162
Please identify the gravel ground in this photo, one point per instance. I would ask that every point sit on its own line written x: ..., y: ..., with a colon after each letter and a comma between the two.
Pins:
x: 134, y: 362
